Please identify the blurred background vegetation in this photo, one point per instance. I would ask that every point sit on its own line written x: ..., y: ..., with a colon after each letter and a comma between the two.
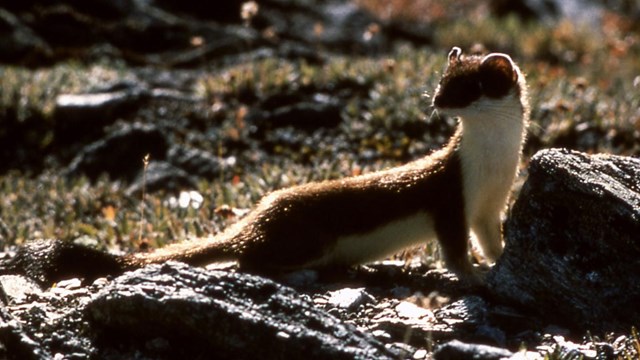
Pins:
x: 233, y: 101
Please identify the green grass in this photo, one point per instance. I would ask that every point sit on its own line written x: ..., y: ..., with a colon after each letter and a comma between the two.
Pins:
x: 585, y: 94
x: 32, y: 93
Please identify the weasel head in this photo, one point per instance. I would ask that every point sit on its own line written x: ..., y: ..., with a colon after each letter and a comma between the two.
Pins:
x: 481, y: 84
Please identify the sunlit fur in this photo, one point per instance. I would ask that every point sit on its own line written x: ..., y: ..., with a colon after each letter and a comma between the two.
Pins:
x: 355, y: 220
x: 491, y: 144
x: 493, y: 132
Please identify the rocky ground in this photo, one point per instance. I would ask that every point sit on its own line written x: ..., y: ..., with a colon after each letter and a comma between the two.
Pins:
x: 233, y: 100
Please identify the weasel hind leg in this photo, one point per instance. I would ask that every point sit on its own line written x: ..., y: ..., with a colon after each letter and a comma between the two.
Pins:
x: 454, y: 247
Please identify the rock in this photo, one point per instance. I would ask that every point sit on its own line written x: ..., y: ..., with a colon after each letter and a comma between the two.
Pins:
x: 190, y: 33
x: 107, y: 9
x: 223, y: 11
x: 572, y: 245
x: 132, y: 27
x: 563, y: 349
x: 48, y: 324
x: 18, y: 42
x: 455, y: 349
x: 49, y: 261
x: 415, y: 32
x: 16, y: 287
x: 83, y: 116
x: 338, y: 25
x: 319, y: 112
x: 578, y: 11
x: 15, y: 343
x: 103, y: 105
x: 176, y: 311
x: 420, y: 320
x: 196, y: 162
x: 349, y: 298
x: 474, y: 319
x: 160, y: 175
x: 528, y: 9
x: 232, y: 315
x: 120, y: 153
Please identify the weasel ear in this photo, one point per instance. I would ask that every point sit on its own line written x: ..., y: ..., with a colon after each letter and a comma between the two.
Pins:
x: 501, y: 64
x: 454, y: 54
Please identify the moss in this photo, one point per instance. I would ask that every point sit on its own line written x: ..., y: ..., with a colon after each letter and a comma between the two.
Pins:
x: 32, y: 93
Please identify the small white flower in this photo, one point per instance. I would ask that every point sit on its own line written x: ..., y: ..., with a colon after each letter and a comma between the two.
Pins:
x: 184, y: 199
x: 196, y: 199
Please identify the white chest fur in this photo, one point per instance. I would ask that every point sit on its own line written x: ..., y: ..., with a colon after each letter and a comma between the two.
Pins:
x: 492, y: 137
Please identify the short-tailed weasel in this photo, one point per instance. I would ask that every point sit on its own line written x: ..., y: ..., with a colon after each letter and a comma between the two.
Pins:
x: 355, y: 220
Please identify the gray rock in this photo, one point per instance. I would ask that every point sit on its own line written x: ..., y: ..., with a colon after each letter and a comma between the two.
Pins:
x: 455, y: 349
x: 121, y: 152
x: 528, y: 9
x: 48, y: 261
x: 349, y: 298
x: 15, y: 342
x: 18, y: 42
x: 104, y: 9
x: 161, y: 175
x: 16, y: 287
x: 82, y: 118
x: 572, y: 249
x: 196, y: 161
x: 306, y: 115
x: 340, y: 24
x: 97, y: 106
x: 230, y: 315
x: 223, y: 11
x: 588, y: 12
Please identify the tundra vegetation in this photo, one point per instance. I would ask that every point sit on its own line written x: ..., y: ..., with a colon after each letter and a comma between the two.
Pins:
x: 584, y: 84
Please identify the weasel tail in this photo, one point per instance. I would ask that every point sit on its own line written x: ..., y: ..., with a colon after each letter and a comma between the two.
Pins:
x: 461, y: 188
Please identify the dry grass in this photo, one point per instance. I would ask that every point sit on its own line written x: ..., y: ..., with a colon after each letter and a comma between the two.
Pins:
x: 574, y: 105
x: 584, y: 86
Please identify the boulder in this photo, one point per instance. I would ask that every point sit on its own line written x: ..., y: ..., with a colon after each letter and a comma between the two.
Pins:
x: 572, y: 249
x: 197, y: 312
x: 173, y: 311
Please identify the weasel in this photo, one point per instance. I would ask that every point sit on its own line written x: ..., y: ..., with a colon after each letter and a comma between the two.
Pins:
x: 461, y: 188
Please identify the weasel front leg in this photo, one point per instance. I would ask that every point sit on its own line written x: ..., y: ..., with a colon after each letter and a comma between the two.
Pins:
x: 488, y: 232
